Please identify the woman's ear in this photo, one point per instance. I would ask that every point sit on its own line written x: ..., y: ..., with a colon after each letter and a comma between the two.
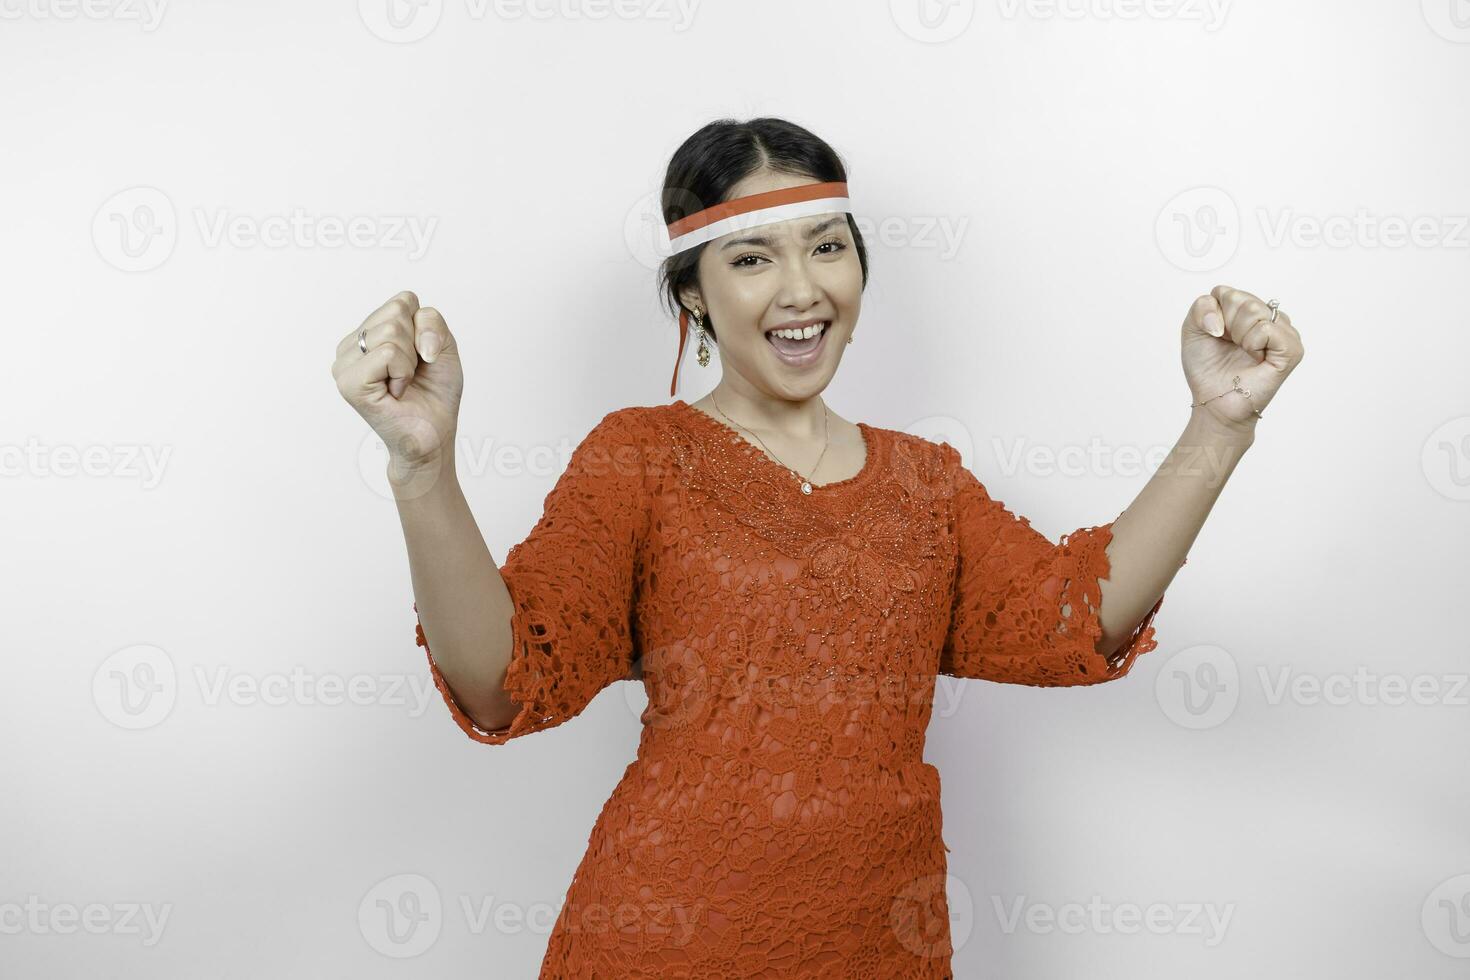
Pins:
x: 691, y: 299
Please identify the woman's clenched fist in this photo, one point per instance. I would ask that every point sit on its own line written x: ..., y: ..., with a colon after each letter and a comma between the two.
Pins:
x: 408, y: 384
x: 1237, y: 352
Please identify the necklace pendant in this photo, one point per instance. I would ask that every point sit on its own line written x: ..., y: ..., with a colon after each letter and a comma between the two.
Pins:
x: 806, y: 487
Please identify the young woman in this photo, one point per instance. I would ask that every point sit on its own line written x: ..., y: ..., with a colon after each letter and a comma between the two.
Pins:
x: 786, y: 583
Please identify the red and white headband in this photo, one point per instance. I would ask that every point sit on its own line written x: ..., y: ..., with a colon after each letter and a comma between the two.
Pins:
x: 747, y: 212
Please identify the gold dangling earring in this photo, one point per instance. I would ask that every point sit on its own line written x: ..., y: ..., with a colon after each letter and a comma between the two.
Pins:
x: 703, y: 346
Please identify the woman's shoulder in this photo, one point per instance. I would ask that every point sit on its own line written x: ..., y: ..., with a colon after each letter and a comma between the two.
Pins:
x: 626, y: 421
x: 914, y: 445
x: 636, y: 423
x: 932, y: 463
x: 632, y: 430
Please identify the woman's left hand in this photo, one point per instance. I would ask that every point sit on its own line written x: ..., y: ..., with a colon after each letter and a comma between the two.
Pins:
x: 1229, y: 333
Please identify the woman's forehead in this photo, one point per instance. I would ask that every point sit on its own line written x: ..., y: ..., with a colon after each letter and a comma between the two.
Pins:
x: 768, y: 180
x: 792, y: 231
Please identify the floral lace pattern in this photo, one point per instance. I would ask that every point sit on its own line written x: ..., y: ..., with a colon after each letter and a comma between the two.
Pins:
x: 779, y: 819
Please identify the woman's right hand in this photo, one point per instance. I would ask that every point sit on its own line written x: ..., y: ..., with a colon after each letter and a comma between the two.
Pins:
x: 408, y: 384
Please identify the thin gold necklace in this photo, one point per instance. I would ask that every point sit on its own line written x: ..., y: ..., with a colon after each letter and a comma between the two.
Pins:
x: 806, y: 483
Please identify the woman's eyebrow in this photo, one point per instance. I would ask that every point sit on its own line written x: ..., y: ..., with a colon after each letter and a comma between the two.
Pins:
x: 765, y: 242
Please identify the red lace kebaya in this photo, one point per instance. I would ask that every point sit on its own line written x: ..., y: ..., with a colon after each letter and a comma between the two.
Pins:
x: 779, y: 819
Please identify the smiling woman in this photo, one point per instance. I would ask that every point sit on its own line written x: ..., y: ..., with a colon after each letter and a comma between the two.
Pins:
x: 787, y: 585
x: 786, y: 253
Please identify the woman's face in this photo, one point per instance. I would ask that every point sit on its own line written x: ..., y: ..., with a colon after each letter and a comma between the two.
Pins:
x: 791, y: 274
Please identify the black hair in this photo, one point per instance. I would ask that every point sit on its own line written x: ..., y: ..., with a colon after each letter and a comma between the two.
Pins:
x: 718, y: 156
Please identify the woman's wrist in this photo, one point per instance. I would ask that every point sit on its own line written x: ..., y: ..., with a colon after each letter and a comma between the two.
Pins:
x: 428, y: 479
x: 1206, y: 428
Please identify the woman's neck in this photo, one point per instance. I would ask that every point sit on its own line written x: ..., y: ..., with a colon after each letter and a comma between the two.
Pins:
x: 799, y: 421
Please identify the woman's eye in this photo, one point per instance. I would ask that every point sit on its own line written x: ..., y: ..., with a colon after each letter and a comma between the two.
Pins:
x: 837, y: 243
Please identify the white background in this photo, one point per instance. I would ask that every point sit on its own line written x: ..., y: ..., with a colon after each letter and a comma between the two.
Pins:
x: 1094, y: 172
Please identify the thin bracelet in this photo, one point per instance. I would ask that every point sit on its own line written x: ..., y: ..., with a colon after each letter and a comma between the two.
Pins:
x: 1235, y: 386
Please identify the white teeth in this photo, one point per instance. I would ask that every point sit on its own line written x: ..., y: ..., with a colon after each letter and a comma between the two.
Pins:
x: 801, y: 334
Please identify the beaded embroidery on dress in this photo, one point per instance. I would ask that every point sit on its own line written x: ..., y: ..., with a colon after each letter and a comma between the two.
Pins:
x: 779, y: 819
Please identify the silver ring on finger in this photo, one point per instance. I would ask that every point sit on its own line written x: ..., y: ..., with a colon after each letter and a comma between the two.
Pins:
x: 362, y: 340
x: 1274, y: 306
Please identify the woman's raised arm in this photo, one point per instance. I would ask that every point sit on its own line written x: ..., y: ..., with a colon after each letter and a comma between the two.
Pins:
x: 407, y: 386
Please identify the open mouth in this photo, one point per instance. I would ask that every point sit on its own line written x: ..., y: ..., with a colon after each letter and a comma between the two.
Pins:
x: 798, y: 347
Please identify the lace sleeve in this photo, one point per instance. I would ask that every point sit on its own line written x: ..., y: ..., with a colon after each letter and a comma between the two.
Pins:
x: 1025, y: 610
x: 571, y: 583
